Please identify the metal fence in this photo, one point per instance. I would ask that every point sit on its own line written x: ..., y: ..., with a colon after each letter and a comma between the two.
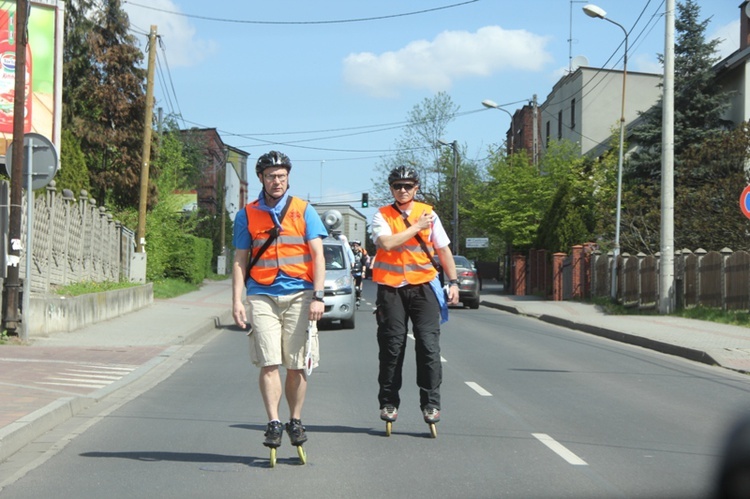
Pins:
x: 717, y: 279
x: 73, y: 240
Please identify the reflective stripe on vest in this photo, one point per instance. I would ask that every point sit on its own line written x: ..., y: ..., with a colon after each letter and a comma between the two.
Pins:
x: 288, y: 252
x: 407, y: 262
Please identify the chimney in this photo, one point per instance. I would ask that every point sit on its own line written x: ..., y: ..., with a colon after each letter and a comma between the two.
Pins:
x: 744, y: 24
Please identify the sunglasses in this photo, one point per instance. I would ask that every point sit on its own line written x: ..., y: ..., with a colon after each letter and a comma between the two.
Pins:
x: 406, y: 187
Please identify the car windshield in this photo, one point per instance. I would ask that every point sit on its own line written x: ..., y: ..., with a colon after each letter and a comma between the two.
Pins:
x: 462, y: 262
x: 334, y: 257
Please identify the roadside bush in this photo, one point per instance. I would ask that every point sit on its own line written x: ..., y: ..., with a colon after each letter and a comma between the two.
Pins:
x: 190, y: 260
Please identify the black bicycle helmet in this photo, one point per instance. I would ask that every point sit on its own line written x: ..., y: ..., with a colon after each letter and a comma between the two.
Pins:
x: 403, y: 173
x: 273, y: 159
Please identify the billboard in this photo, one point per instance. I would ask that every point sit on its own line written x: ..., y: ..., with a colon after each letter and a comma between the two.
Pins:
x: 43, y: 69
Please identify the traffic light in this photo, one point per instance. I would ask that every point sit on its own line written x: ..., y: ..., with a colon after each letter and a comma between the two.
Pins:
x: 365, y: 200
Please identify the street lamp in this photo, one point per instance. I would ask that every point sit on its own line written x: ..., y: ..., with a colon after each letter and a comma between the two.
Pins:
x: 597, y: 12
x: 493, y: 105
x: 454, y: 146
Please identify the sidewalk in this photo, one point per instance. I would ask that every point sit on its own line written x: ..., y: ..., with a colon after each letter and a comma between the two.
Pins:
x: 52, y: 379
x: 702, y: 341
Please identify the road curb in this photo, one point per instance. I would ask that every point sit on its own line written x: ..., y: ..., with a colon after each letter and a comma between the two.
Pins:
x: 28, y: 428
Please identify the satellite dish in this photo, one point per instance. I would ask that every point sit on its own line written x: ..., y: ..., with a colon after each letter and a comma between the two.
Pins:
x: 332, y: 219
x: 578, y: 61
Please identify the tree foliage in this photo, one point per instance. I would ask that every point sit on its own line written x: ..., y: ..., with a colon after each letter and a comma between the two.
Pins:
x: 75, y: 175
x: 418, y: 148
x: 109, y: 120
x: 708, y: 163
x: 698, y: 102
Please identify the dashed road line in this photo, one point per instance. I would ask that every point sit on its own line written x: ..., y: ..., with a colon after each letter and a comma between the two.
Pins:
x: 481, y: 391
x: 560, y: 449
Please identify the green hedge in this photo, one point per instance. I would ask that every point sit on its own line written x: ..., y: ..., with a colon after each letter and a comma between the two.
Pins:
x: 191, y: 261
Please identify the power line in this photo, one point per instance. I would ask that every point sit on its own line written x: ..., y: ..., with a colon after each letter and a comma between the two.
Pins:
x: 333, y: 21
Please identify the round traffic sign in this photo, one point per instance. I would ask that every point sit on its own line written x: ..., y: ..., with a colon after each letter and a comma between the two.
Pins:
x: 43, y: 160
x: 745, y: 201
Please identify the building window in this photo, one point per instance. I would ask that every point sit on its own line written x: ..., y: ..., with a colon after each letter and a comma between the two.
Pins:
x: 546, y: 137
x: 573, y: 113
x: 559, y: 124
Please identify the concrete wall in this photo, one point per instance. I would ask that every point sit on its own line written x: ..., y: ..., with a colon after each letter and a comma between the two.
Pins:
x: 50, y: 314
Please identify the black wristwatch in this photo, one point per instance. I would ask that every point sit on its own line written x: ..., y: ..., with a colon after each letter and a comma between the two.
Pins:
x: 318, y: 295
x: 453, y: 282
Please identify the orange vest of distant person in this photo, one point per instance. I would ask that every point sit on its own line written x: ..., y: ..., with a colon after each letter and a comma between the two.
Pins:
x: 407, y: 262
x: 288, y: 253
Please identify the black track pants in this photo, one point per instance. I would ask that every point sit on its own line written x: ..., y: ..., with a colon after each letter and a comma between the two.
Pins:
x: 395, y: 307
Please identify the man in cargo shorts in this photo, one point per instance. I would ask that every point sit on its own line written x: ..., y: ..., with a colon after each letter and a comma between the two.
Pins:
x: 283, y: 282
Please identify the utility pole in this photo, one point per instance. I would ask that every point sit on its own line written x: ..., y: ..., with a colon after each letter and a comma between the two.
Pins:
x: 667, y: 298
x: 146, y: 154
x: 535, y: 133
x: 222, y: 262
x: 12, y: 316
x: 456, y: 245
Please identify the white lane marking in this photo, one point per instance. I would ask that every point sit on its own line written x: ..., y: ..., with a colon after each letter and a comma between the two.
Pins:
x: 481, y: 391
x: 560, y: 449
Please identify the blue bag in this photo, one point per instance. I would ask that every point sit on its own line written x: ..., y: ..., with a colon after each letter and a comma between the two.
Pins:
x: 441, y: 298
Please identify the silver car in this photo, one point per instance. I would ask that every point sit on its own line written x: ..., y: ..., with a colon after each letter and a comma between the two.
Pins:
x: 340, y: 300
x: 469, y: 285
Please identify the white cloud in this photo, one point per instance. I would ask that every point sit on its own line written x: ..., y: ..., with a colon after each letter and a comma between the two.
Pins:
x: 452, y: 55
x: 181, y: 45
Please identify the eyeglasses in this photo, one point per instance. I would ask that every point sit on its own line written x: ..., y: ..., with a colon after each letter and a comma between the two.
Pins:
x: 406, y: 187
x: 279, y: 176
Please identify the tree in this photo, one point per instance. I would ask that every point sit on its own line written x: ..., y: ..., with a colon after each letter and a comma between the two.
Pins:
x: 418, y: 147
x: 707, y: 156
x: 74, y: 175
x: 508, y: 204
x: 111, y: 126
x: 550, y: 207
x: 698, y: 103
x: 77, y: 62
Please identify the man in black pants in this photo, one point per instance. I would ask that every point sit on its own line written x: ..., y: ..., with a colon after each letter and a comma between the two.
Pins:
x: 408, y: 235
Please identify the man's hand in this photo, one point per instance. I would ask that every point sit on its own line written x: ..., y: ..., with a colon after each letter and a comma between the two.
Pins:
x: 424, y: 221
x: 452, y: 295
x: 239, y: 315
x: 316, y: 310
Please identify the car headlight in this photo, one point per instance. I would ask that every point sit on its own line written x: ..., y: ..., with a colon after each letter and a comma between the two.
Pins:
x: 341, y: 286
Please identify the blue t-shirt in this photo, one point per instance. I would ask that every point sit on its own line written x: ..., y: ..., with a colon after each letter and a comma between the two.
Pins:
x: 283, y: 284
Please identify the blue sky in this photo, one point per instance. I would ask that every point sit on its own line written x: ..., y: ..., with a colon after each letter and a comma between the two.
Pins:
x: 333, y: 95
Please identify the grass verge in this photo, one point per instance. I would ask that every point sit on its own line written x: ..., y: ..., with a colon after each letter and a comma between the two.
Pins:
x: 732, y: 317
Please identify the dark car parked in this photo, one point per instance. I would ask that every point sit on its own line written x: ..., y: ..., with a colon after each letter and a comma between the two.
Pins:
x: 468, y: 282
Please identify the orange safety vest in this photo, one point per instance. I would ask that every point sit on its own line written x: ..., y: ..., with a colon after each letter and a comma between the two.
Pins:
x: 407, y: 262
x: 288, y: 252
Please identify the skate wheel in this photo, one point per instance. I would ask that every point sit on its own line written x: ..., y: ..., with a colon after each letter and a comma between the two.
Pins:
x: 302, y: 455
x: 433, y: 430
x: 388, y: 427
x: 273, y: 457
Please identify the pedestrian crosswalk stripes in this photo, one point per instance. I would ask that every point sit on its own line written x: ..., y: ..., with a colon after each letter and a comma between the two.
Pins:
x: 87, y: 376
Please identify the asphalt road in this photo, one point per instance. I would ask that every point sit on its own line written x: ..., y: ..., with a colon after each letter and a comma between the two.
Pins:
x: 529, y: 410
